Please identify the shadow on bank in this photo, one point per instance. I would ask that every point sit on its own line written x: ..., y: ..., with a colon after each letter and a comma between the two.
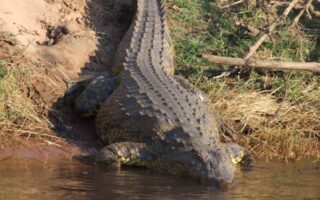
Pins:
x: 109, y: 19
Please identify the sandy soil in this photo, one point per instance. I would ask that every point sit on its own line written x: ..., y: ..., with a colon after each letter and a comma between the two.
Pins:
x: 90, y: 42
x: 28, y: 21
x: 94, y: 28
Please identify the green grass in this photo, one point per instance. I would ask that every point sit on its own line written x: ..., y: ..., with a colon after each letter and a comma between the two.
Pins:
x: 3, y: 70
x: 200, y: 26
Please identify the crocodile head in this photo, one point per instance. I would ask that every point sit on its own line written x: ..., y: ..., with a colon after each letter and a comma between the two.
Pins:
x: 208, y: 164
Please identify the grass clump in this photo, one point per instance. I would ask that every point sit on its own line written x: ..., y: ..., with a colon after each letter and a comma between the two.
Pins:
x: 19, y: 113
x: 276, y: 114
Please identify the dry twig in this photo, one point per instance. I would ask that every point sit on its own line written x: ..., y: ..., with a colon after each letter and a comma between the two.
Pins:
x: 305, y: 9
x: 253, y: 31
x: 233, y: 4
x: 254, y: 48
x: 267, y: 64
x: 315, y: 12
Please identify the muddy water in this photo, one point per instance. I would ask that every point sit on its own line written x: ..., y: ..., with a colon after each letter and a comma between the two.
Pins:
x: 34, y: 179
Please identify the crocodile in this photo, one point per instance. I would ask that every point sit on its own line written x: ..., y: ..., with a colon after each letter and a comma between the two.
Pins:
x: 149, y: 117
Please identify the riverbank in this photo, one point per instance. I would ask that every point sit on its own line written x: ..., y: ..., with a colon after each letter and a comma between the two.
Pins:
x: 43, y: 46
x: 275, y: 115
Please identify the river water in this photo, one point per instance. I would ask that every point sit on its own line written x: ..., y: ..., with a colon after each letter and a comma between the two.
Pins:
x: 35, y: 179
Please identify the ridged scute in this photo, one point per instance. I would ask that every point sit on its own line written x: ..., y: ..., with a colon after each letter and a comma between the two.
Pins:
x: 150, y: 106
x: 148, y: 93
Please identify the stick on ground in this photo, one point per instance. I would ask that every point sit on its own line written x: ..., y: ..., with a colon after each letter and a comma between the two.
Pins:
x: 254, y: 48
x: 267, y: 64
x: 306, y: 8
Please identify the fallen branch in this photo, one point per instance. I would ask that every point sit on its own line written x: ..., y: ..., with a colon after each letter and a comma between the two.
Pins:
x: 227, y: 73
x: 252, y: 30
x: 315, y: 12
x: 254, y: 48
x: 233, y: 4
x: 278, y: 3
x: 267, y: 64
x: 305, y: 9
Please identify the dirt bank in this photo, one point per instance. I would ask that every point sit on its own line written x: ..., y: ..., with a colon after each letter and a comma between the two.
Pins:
x: 57, y: 40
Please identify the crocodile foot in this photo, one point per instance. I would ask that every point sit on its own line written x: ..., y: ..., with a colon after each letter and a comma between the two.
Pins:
x: 112, y: 156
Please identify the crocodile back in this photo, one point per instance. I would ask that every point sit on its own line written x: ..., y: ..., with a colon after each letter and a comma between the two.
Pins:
x: 150, y: 105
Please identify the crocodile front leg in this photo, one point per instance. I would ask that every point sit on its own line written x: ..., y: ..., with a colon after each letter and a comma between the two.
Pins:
x: 123, y: 153
x: 87, y: 95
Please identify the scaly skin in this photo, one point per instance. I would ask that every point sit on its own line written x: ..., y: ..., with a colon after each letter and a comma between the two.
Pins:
x: 152, y: 119
x: 149, y: 106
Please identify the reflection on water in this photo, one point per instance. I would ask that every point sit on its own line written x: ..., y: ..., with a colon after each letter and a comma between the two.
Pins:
x: 32, y: 179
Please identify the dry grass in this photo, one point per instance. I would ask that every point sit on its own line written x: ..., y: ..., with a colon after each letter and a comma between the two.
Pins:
x: 291, y: 133
x: 21, y: 111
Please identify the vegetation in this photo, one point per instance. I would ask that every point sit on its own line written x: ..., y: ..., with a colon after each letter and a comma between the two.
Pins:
x: 275, y: 114
x: 20, y: 109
